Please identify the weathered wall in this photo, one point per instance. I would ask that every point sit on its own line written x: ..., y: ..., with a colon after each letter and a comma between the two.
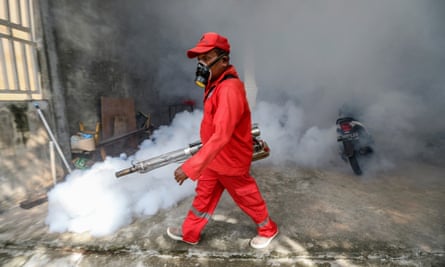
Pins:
x: 87, y: 49
x: 25, y: 166
x: 98, y: 49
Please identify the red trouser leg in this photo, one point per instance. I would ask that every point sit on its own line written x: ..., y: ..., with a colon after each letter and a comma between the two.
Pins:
x: 208, y: 193
x: 246, y: 194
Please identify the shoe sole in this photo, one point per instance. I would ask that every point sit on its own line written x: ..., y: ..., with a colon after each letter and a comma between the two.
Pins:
x: 178, y: 238
x: 173, y: 236
x: 264, y: 245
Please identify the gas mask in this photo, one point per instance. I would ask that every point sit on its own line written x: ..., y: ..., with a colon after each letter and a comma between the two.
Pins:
x: 203, y: 72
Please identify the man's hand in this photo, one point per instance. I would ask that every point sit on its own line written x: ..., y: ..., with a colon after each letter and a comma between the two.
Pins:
x: 180, y: 175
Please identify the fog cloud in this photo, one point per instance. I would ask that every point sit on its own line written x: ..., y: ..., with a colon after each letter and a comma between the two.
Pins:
x: 307, y: 59
x: 384, y: 58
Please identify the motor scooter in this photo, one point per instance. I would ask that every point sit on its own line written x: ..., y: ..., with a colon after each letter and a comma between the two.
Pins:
x: 355, y: 142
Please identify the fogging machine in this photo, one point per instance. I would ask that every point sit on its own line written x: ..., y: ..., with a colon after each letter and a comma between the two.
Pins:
x: 260, y: 150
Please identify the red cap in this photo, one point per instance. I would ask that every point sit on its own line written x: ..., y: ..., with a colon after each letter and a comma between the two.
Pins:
x: 209, y: 41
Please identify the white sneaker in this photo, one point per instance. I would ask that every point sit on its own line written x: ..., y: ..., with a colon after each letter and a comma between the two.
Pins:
x: 176, y: 234
x: 260, y: 242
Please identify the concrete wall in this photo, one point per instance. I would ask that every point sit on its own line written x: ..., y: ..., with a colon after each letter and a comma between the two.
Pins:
x: 87, y: 49
x: 98, y: 49
x: 25, y: 166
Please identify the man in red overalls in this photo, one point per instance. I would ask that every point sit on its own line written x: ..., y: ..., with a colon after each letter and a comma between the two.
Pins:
x: 224, y: 160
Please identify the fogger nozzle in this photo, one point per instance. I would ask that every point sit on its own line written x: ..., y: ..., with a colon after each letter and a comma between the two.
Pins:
x: 126, y: 171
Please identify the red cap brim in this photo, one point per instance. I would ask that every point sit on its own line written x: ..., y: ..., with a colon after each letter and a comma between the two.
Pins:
x: 195, y: 51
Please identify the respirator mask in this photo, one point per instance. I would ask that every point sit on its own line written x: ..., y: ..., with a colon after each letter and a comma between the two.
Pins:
x: 203, y: 72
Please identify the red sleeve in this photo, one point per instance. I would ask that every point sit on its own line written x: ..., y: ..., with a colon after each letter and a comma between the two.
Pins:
x: 229, y: 109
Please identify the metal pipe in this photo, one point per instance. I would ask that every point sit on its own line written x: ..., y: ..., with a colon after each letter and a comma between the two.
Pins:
x: 52, y: 162
x: 260, y: 150
x: 48, y: 129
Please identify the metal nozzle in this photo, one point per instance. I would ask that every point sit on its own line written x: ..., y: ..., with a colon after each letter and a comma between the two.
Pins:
x: 126, y: 171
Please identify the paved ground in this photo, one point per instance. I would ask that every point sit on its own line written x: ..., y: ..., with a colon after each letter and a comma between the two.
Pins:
x: 326, y: 218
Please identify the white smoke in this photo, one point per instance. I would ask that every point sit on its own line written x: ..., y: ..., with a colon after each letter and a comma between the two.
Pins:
x: 384, y: 58
x: 311, y: 58
x: 95, y: 201
x: 282, y: 127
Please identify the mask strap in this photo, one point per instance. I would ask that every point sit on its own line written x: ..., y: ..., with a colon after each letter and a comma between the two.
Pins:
x: 217, y: 59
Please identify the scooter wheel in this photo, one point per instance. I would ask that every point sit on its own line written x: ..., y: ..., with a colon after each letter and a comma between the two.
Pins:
x: 354, y: 165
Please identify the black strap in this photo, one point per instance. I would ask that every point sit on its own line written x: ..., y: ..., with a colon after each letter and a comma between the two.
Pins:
x: 227, y: 76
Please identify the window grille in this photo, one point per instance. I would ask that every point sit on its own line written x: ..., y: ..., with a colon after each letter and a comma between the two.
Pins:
x: 19, y: 72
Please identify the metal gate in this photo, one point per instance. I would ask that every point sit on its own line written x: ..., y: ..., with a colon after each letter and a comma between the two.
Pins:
x: 19, y: 73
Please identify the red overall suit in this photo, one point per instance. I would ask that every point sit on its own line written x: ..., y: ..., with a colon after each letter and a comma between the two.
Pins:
x: 224, y: 160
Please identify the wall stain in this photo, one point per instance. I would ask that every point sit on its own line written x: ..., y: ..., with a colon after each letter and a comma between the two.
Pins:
x: 21, y: 121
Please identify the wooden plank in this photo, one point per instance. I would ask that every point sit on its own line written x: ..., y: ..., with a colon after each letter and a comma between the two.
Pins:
x: 118, y: 117
x: 117, y: 111
x: 34, y: 201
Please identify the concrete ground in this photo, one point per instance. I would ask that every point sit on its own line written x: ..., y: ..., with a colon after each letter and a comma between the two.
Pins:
x: 326, y: 218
